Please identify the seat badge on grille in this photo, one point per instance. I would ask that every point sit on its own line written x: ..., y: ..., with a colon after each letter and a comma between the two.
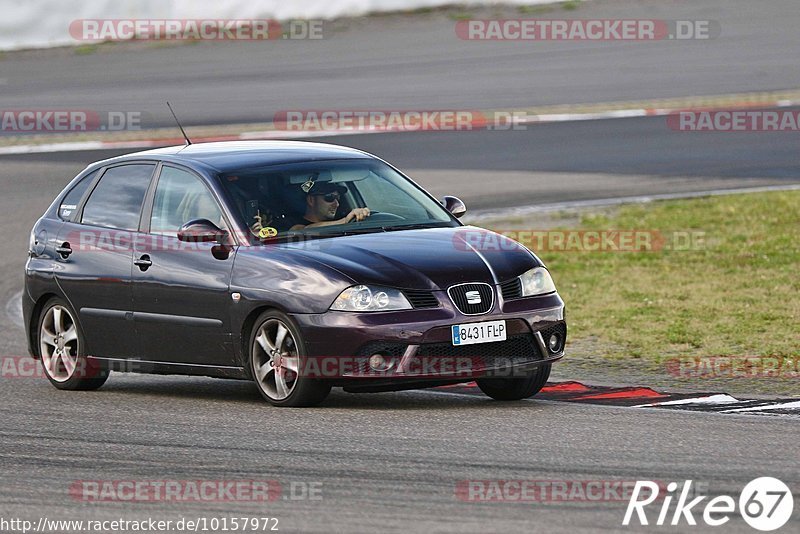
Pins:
x: 473, y: 297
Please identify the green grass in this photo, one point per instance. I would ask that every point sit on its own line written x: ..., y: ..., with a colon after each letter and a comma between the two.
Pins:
x: 571, y: 5
x: 460, y: 15
x: 534, y: 9
x: 85, y: 49
x: 737, y: 294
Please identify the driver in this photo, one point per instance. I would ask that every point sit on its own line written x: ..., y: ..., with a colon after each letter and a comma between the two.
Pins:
x: 322, y: 201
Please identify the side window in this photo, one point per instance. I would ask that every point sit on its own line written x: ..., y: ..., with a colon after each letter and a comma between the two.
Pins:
x: 116, y: 202
x: 180, y: 197
x: 67, y: 211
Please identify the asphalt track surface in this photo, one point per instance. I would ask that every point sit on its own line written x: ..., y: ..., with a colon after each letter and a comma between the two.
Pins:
x: 390, y: 63
x: 391, y: 461
x: 386, y: 461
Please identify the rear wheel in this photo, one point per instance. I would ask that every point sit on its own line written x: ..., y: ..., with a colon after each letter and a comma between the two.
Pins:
x: 61, y: 349
x: 276, y: 357
x: 510, y: 389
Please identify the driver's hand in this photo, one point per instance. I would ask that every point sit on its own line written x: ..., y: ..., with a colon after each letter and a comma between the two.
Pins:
x: 358, y: 215
x: 256, y: 226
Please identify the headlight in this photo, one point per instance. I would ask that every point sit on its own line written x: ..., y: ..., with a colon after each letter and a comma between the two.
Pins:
x: 537, y: 282
x: 370, y: 299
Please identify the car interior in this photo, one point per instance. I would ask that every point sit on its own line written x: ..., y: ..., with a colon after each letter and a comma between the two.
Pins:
x: 277, y: 196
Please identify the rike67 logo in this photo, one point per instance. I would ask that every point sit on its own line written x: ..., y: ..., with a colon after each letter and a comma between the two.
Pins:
x: 765, y: 503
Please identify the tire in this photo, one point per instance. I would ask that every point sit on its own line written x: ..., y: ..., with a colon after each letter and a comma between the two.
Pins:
x: 62, y: 348
x: 511, y: 389
x: 277, y: 353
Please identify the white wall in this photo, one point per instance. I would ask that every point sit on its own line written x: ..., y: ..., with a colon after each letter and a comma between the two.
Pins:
x: 42, y: 23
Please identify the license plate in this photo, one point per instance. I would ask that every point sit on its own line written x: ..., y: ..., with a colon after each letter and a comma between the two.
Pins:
x: 470, y: 334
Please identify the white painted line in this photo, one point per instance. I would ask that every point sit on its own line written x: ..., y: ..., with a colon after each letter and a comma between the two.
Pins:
x: 711, y: 399
x: 156, y: 143
x: 52, y: 147
x: 14, y: 309
x: 291, y: 134
x: 780, y: 406
x: 600, y: 115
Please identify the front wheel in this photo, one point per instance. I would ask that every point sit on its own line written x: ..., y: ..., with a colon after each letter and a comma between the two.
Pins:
x: 61, y: 349
x: 277, y: 354
x: 517, y: 388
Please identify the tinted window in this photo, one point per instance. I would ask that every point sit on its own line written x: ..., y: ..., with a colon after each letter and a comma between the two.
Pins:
x: 180, y: 197
x: 117, y: 200
x: 277, y: 195
x: 69, y: 204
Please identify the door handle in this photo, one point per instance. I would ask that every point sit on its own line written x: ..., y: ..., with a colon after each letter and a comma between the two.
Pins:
x: 143, y: 263
x: 64, y: 250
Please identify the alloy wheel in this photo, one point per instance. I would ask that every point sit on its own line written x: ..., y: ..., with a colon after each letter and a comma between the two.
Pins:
x: 58, y: 344
x: 276, y: 360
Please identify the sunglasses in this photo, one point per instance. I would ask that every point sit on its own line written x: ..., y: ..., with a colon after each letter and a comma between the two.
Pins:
x: 330, y: 197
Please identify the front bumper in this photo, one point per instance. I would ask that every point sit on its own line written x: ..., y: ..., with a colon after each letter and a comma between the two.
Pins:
x: 418, y: 343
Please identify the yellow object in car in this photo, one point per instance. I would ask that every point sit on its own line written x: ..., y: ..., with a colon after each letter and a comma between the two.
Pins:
x: 267, y: 232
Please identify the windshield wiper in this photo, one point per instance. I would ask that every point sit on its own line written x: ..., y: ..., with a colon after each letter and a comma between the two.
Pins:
x: 418, y: 226
x: 352, y: 231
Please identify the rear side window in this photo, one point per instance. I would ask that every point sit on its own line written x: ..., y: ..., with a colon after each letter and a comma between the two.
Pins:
x: 116, y: 202
x: 69, y: 204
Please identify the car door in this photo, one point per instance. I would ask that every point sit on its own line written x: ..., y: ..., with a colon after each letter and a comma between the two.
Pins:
x: 181, y: 292
x: 95, y: 257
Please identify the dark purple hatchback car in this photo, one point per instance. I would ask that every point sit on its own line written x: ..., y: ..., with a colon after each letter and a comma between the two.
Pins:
x: 300, y: 266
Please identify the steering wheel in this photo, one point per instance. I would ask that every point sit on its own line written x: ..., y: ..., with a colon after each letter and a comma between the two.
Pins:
x: 382, y: 216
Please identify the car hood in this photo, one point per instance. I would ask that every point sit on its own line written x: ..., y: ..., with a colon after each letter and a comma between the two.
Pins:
x: 434, y: 258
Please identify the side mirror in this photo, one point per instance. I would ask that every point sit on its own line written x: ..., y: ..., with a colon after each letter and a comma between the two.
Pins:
x: 455, y: 206
x: 201, y: 231
x: 204, y: 231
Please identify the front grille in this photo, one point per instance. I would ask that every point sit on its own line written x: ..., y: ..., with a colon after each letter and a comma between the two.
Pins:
x: 517, y: 348
x: 443, y: 358
x: 472, y: 299
x: 512, y: 289
x: 421, y: 298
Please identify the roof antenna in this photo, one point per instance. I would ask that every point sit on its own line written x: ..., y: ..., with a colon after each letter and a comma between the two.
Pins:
x: 188, y: 142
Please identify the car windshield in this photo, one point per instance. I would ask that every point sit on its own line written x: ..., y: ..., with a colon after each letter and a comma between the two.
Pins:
x: 276, y: 196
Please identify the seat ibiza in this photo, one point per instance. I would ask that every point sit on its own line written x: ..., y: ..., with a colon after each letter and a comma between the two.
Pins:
x: 300, y: 266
